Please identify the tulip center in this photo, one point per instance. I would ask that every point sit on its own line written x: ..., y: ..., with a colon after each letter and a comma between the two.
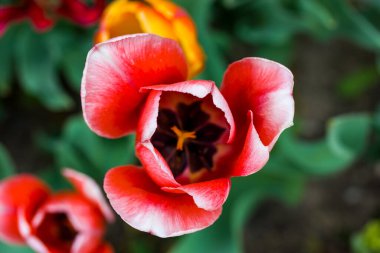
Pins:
x: 182, y: 136
x: 56, y: 230
x: 186, y: 137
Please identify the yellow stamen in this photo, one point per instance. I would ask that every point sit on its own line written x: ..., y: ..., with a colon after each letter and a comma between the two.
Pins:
x: 182, y: 136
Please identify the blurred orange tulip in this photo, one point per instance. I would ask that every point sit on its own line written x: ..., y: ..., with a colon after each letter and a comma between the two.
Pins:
x: 159, y: 17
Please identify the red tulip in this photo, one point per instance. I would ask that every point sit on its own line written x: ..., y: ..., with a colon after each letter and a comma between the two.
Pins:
x: 191, y: 137
x: 63, y: 222
x: 43, y: 13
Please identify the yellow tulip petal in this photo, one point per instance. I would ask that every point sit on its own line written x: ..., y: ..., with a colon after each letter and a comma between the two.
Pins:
x: 118, y: 19
x: 185, y: 33
x: 185, y: 30
x: 153, y: 22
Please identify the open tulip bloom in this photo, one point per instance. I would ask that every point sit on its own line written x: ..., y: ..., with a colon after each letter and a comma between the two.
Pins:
x: 191, y: 137
x: 62, y: 222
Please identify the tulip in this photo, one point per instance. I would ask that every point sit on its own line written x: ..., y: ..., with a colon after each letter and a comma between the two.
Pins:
x: 191, y: 137
x: 43, y: 13
x: 63, y: 222
x: 160, y: 17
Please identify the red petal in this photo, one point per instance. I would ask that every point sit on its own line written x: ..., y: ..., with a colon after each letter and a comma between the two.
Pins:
x: 264, y: 87
x: 105, y: 248
x: 81, y: 13
x: 116, y: 70
x: 249, y: 154
x: 9, y: 14
x: 155, y: 165
x: 144, y: 206
x: 197, y: 88
x: 16, y: 193
x: 209, y: 195
x: 38, y: 17
x: 88, y: 187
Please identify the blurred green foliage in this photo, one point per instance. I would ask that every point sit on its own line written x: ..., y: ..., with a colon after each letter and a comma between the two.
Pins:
x: 291, y: 164
x: 367, y: 240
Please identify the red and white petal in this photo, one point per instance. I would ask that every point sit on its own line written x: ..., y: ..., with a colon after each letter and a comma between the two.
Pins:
x: 264, y: 87
x: 114, y: 73
x: 249, y: 154
x: 155, y: 165
x: 83, y: 214
x: 144, y: 206
x: 208, y: 195
x: 88, y: 187
x: 18, y: 192
x: 199, y: 89
x: 87, y: 243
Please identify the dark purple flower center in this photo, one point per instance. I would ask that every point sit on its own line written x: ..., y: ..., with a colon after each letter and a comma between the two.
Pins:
x: 56, y: 230
x: 186, y: 138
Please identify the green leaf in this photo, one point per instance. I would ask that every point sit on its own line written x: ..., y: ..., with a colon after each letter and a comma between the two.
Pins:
x: 74, y: 58
x: 319, y: 19
x: 6, y: 49
x: 347, y: 136
x: 357, y: 83
x: 6, y: 166
x: 6, y: 248
x: 353, y: 25
x: 79, y: 148
x: 36, y: 68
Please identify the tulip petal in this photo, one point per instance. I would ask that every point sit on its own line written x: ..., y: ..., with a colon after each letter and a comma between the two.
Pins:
x: 200, y: 89
x: 38, y: 17
x: 88, y: 187
x: 264, y: 87
x: 249, y: 153
x: 105, y: 248
x: 9, y: 14
x: 116, y: 70
x: 144, y: 206
x: 184, y: 29
x: 208, y: 195
x: 16, y: 193
x: 155, y: 165
x: 153, y: 22
x: 80, y: 12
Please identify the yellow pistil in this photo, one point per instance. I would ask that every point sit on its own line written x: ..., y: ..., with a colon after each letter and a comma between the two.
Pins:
x: 182, y: 136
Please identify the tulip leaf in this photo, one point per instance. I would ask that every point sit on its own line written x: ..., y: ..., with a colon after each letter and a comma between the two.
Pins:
x: 36, y: 68
x: 6, y: 49
x: 347, y: 136
x: 318, y: 17
x: 81, y: 149
x: 354, y: 25
x: 357, y: 83
x: 74, y: 59
x: 14, y: 249
x: 6, y: 166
